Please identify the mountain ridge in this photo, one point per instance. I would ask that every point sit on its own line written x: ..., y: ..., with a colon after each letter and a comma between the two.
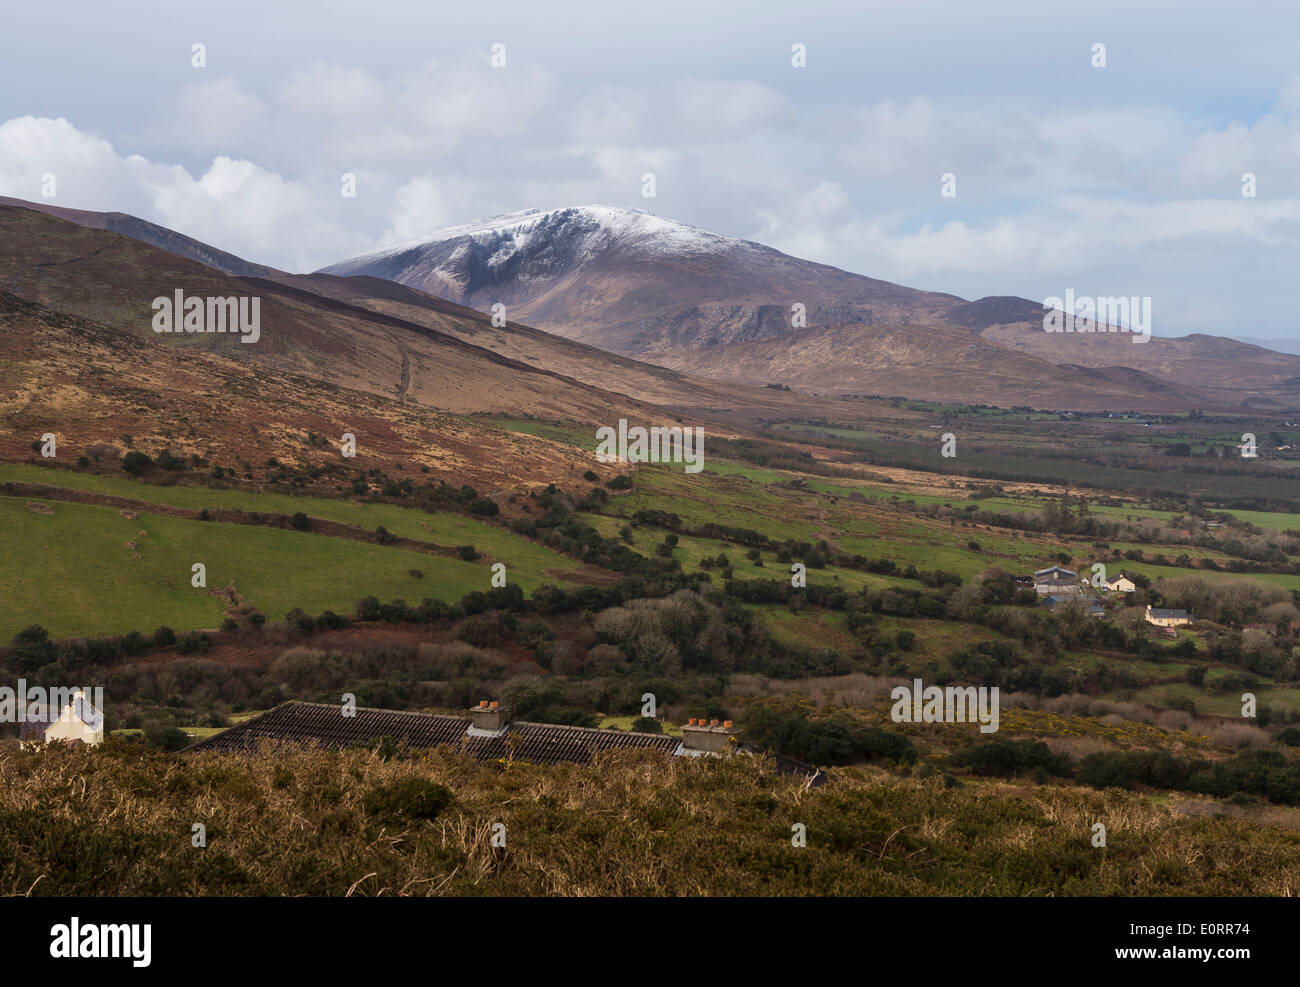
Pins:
x: 664, y: 292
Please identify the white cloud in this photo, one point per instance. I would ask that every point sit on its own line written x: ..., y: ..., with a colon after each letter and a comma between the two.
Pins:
x: 1099, y: 196
x: 214, y: 115
x: 234, y: 205
x: 423, y: 206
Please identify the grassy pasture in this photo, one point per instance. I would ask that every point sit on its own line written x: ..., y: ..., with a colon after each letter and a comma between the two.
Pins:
x: 74, y: 571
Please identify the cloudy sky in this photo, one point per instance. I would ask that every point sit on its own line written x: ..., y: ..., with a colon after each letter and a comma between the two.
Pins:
x: 1122, y: 180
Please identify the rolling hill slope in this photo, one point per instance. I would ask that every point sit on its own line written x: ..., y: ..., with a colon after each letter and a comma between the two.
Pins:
x: 355, y: 332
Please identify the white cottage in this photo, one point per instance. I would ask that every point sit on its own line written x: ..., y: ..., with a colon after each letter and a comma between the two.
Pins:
x: 1168, y: 618
x: 78, y: 720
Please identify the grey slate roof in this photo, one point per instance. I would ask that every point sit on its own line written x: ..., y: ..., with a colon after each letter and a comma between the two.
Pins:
x: 324, y: 725
x: 1054, y: 573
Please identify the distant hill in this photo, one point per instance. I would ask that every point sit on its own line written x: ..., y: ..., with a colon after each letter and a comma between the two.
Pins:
x: 158, y: 236
x: 1276, y: 345
x: 711, y: 305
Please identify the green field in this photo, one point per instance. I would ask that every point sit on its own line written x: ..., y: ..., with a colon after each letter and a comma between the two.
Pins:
x: 441, y: 528
x: 73, y: 573
x: 1221, y: 704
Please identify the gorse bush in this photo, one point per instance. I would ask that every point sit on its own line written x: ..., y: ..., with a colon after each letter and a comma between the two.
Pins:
x: 824, y: 742
x: 1269, y: 774
x: 407, y: 800
x: 1011, y: 757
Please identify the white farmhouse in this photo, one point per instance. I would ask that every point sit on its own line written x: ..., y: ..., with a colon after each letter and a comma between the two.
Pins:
x: 1122, y: 584
x: 1167, y: 618
x: 79, y: 720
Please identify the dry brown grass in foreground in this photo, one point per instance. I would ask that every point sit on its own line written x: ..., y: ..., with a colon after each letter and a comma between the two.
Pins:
x: 300, y: 822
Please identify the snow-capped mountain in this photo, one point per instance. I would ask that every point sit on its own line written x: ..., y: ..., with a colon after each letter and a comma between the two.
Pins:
x: 730, y: 309
x: 632, y: 282
x: 532, y: 242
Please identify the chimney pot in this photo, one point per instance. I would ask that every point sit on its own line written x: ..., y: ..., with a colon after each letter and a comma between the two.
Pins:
x: 707, y: 737
x: 691, y: 721
x: 727, y: 724
x: 493, y: 704
x: 482, y: 702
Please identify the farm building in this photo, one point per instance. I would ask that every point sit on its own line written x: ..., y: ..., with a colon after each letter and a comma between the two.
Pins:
x: 1121, y: 584
x: 1091, y: 607
x: 1056, y: 581
x: 486, y: 733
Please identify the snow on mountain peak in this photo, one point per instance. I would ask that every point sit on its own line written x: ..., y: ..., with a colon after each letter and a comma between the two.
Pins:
x: 585, y: 230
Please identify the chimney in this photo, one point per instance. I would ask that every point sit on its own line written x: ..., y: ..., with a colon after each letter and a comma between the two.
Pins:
x: 701, y: 736
x: 489, y: 717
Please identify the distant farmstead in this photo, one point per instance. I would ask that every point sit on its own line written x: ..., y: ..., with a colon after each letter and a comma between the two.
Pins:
x: 1121, y: 585
x: 1167, y: 618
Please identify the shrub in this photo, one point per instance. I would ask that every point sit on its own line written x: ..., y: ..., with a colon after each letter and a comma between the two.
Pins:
x: 1011, y: 757
x: 405, y: 800
x: 32, y: 649
x: 193, y: 641
x: 1236, y: 736
x: 135, y: 463
x: 165, y: 460
x: 483, y: 630
x: 825, y: 741
x: 484, y: 506
x: 304, y: 670
x: 595, y: 500
x: 330, y: 621
x: 301, y: 620
x: 166, y: 737
x: 1127, y: 769
x: 1290, y: 736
